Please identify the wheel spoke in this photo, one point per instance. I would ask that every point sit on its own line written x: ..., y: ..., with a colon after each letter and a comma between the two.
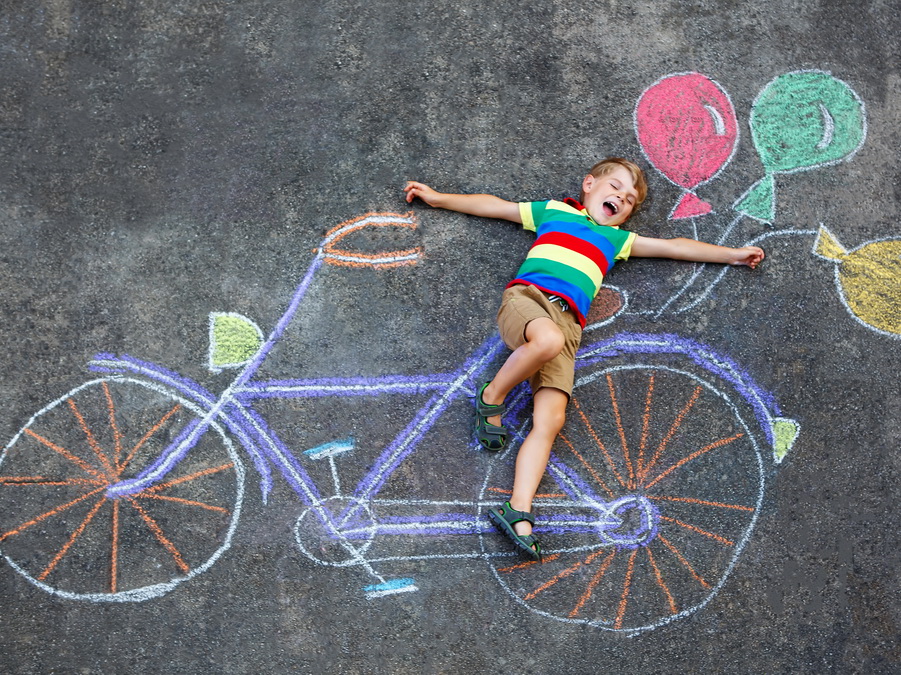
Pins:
x: 627, y: 587
x: 185, y: 479
x: 161, y: 537
x: 672, y: 432
x: 598, y: 442
x: 92, y: 441
x: 188, y: 502
x: 661, y: 582
x: 52, y: 512
x: 117, y: 434
x: 595, y: 580
x: 80, y: 463
x: 146, y: 437
x: 685, y: 460
x: 694, y: 528
x: 614, y: 402
x: 75, y: 535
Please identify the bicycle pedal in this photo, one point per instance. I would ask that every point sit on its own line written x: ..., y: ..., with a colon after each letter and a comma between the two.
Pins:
x: 330, y: 449
x: 390, y: 587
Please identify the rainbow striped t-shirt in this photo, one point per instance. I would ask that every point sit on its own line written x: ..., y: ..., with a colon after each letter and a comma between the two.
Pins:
x: 571, y: 254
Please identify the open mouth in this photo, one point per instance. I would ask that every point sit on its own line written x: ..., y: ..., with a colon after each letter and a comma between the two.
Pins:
x: 610, y: 208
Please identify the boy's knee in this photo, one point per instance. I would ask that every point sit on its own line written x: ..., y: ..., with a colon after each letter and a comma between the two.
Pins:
x: 547, y: 340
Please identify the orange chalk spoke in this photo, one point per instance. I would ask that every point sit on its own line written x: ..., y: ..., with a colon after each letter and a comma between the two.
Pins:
x: 589, y: 589
x: 588, y: 467
x: 161, y: 537
x: 185, y: 479
x: 156, y: 427
x: 41, y: 480
x: 621, y: 431
x: 598, y: 442
x: 529, y: 563
x: 661, y: 583
x: 186, y: 502
x: 117, y: 435
x: 681, y: 558
x: 685, y: 460
x: 627, y: 586
x: 75, y: 535
x: 703, y: 502
x: 114, y: 558
x: 693, y: 528
x: 561, y: 575
x: 77, y: 461
x: 645, y: 423
x: 672, y: 432
x: 50, y: 513
x: 92, y: 441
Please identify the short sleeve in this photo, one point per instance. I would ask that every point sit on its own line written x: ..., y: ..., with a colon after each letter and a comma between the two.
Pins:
x: 626, y: 249
x: 530, y: 213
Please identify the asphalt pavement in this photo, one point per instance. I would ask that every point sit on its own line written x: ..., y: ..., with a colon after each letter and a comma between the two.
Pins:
x: 237, y: 366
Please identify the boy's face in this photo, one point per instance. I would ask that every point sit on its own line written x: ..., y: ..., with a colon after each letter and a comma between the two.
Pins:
x: 610, y: 198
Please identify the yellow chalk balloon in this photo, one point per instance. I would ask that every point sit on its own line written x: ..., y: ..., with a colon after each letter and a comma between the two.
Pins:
x: 869, y: 279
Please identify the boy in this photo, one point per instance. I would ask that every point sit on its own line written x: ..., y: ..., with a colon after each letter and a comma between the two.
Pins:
x: 543, y: 309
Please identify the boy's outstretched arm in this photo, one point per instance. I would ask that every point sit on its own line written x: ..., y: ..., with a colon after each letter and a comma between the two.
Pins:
x: 486, y: 206
x: 696, y: 251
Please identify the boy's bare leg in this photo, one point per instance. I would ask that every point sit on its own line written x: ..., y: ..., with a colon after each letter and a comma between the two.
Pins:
x: 544, y: 340
x: 531, y: 461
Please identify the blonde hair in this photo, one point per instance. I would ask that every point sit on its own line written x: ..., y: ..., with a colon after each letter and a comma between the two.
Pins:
x: 610, y: 164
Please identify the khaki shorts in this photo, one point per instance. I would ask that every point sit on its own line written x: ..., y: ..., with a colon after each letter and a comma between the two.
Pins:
x: 522, y: 304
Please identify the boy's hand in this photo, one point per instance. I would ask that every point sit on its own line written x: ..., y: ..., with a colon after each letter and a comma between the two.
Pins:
x: 748, y: 255
x: 423, y: 191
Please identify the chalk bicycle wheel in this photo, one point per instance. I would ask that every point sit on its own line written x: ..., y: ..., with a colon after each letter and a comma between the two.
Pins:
x: 652, y: 491
x: 60, y: 530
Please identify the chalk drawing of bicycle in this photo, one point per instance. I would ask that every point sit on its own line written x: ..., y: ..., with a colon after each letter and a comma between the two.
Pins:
x: 133, y: 482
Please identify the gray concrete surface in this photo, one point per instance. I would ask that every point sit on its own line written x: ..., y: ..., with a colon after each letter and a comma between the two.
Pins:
x: 165, y: 160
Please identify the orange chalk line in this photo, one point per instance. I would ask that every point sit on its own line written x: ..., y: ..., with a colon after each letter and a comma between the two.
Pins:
x: 672, y: 432
x: 114, y: 557
x: 111, y: 472
x: 693, y: 528
x: 188, y: 502
x: 713, y: 446
x: 589, y: 589
x: 703, y: 502
x: 80, y: 463
x: 117, y: 435
x: 561, y: 575
x: 587, y: 466
x: 682, y: 559
x: 622, y: 432
x: 52, y: 512
x: 598, y: 442
x: 529, y: 563
x: 75, y: 535
x: 147, y: 436
x: 184, y: 479
x: 161, y: 537
x: 41, y: 480
x: 627, y: 584
x: 403, y: 221
x: 645, y: 423
x: 558, y: 495
x: 660, y: 582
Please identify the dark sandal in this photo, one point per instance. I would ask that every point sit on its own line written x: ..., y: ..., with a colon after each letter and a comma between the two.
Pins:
x: 491, y: 436
x: 505, y: 517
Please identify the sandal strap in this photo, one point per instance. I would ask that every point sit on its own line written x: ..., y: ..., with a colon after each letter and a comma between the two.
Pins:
x: 512, y: 516
x: 486, y: 409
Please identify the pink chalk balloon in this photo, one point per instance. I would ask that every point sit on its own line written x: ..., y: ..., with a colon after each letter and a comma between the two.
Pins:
x: 687, y: 129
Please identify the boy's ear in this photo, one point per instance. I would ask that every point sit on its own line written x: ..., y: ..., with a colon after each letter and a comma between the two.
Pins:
x: 587, y: 182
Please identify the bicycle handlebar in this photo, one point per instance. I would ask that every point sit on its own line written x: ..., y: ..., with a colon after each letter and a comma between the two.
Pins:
x: 328, y: 247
